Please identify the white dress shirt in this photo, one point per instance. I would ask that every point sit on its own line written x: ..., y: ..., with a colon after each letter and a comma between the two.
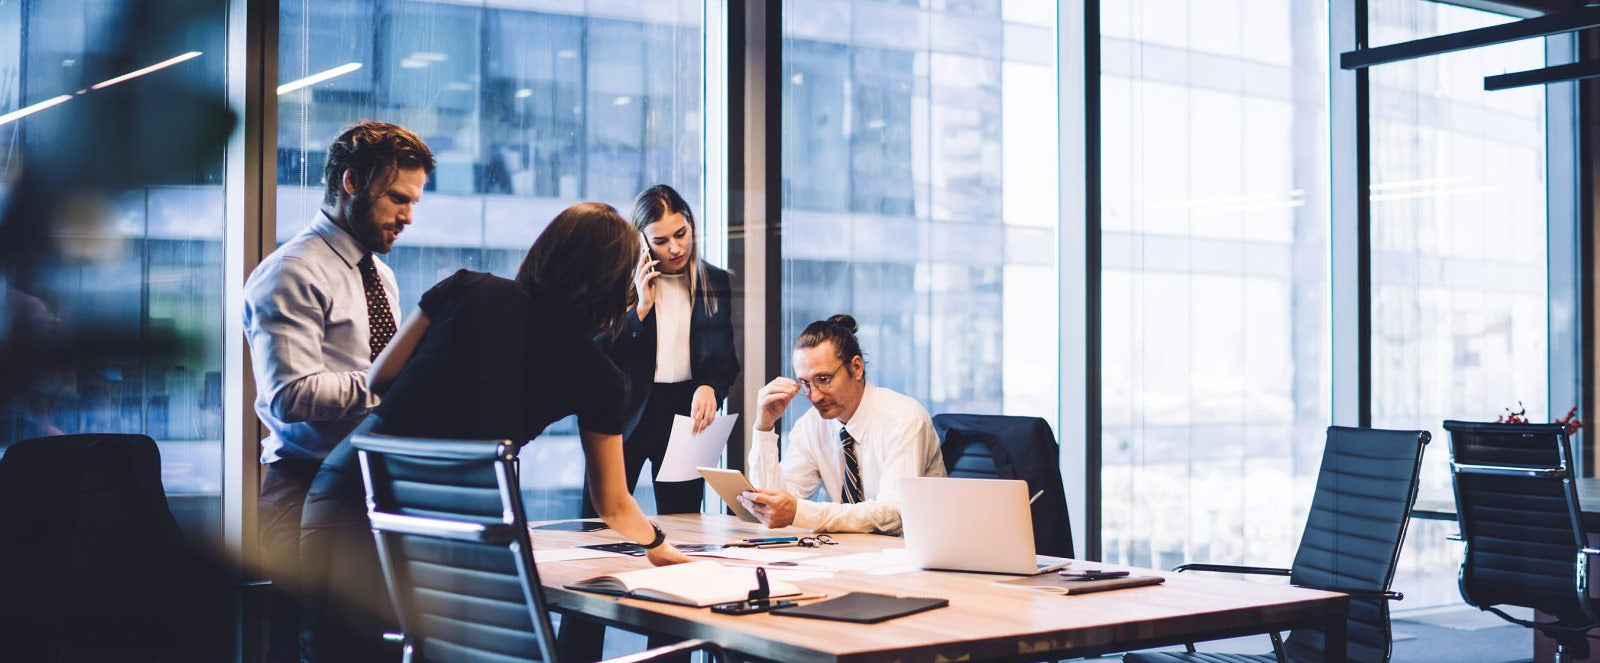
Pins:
x: 305, y: 317
x: 894, y: 438
x: 674, y: 310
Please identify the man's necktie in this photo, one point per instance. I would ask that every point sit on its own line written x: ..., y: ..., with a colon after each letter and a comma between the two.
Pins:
x: 852, y: 469
x: 380, y: 321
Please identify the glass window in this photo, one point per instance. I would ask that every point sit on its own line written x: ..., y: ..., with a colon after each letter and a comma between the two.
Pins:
x: 1214, y: 279
x: 527, y: 111
x: 920, y: 195
x: 136, y: 283
x: 1459, y: 269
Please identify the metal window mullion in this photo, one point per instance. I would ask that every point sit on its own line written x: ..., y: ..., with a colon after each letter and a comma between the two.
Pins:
x: 1350, y: 220
x: 755, y: 102
x: 1564, y: 248
x: 249, y: 189
x: 1078, y: 267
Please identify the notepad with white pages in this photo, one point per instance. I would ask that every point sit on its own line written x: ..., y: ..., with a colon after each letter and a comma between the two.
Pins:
x: 697, y: 584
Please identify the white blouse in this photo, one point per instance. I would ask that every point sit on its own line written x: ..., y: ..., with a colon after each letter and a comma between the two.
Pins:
x: 674, y: 309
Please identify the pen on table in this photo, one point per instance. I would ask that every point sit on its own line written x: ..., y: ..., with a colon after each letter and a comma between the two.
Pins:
x: 1036, y: 496
x: 802, y: 597
x: 772, y: 539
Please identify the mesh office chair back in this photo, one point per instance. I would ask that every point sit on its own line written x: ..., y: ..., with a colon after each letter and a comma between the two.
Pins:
x: 985, y: 446
x: 1364, y: 494
x: 1520, y: 519
x: 455, y: 550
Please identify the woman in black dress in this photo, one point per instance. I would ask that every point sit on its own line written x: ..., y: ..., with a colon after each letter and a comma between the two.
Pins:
x: 676, y: 342
x: 485, y: 358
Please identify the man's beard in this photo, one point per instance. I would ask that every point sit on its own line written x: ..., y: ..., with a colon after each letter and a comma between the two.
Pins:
x: 364, y: 227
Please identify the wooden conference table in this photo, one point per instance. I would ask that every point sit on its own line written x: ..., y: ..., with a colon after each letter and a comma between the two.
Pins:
x: 982, y: 622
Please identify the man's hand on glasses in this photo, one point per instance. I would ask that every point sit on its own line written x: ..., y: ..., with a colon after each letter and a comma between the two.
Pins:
x: 772, y: 400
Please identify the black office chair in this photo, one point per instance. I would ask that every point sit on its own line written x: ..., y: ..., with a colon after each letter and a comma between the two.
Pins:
x: 93, y: 566
x: 986, y: 446
x: 1523, y: 528
x: 1358, y: 518
x: 453, y: 542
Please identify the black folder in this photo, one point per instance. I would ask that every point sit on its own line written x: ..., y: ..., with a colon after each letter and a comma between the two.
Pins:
x: 864, y: 607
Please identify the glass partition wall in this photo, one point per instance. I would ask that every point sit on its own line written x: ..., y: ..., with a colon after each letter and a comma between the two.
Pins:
x: 1214, y: 278
x: 920, y: 195
x: 130, y: 274
x: 1459, y: 240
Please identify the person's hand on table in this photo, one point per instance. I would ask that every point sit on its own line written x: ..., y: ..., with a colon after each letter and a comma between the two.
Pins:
x: 665, y: 554
x: 774, y: 508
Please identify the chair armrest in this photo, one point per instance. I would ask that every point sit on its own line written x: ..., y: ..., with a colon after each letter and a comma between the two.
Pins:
x: 1229, y: 568
x: 1363, y: 593
x: 710, y: 648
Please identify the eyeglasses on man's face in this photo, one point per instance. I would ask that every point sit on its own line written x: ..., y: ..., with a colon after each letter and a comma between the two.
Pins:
x: 823, y: 383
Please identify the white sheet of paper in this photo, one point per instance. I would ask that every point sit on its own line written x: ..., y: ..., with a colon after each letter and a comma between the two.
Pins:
x: 883, y: 562
x: 791, y: 575
x: 687, y: 451
x: 568, y: 554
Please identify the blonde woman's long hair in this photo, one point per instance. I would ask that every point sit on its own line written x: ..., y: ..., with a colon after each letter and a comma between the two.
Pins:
x: 658, y: 201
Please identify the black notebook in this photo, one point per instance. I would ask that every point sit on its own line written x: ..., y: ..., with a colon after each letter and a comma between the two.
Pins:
x: 864, y: 607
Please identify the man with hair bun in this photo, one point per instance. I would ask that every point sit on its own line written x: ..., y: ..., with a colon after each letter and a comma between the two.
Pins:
x: 855, y: 443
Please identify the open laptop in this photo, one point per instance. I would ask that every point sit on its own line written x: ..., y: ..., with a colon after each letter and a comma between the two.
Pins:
x: 980, y: 525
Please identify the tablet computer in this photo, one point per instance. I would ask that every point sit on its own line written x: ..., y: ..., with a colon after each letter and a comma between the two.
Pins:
x: 728, y: 484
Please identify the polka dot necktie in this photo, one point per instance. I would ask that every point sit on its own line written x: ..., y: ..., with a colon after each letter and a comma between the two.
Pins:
x: 380, y: 321
x: 852, y: 469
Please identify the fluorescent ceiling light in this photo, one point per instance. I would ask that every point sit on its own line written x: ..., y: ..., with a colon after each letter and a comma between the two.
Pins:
x: 318, y: 77
x: 622, y: 100
x: 428, y: 56
x: 410, y: 63
x: 24, y: 112
x: 61, y: 99
x: 524, y: 93
x: 140, y: 72
x: 566, y: 54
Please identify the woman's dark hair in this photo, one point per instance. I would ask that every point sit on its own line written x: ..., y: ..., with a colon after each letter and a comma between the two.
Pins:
x: 584, y: 260
x: 659, y: 201
x: 372, y: 151
x: 840, y: 330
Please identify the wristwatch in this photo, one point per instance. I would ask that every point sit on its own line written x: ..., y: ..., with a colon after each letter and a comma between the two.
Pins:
x: 661, y: 537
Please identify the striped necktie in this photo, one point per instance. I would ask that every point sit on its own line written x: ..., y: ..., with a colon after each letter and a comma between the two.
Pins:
x: 380, y: 320
x: 852, y: 469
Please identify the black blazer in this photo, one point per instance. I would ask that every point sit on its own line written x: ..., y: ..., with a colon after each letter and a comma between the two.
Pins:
x: 712, y: 360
